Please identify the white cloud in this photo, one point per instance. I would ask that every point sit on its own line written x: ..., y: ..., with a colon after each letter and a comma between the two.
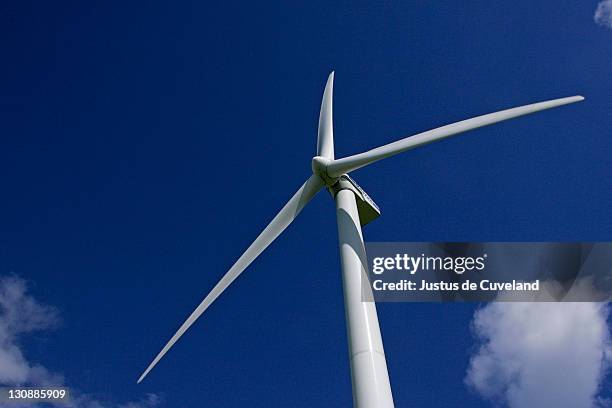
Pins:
x: 21, y: 315
x: 85, y: 401
x: 150, y: 400
x: 603, y: 13
x: 541, y: 354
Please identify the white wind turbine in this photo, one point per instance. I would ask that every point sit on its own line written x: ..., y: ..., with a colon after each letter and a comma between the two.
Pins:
x: 354, y: 208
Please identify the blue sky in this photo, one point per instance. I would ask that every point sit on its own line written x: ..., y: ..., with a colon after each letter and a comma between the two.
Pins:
x: 145, y: 146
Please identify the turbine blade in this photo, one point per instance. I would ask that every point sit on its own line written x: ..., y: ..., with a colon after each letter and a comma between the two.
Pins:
x: 338, y: 167
x: 286, y: 215
x: 325, y: 140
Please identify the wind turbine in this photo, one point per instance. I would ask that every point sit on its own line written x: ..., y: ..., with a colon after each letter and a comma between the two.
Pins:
x: 354, y: 208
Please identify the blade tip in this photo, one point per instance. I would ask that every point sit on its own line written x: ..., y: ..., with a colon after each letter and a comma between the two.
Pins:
x: 570, y: 99
x: 576, y: 98
x: 329, y: 86
x: 143, y: 375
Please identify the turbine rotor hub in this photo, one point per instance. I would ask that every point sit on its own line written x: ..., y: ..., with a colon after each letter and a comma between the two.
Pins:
x: 319, y: 168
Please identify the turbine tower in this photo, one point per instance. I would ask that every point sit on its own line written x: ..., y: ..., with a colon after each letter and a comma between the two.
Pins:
x: 354, y: 208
